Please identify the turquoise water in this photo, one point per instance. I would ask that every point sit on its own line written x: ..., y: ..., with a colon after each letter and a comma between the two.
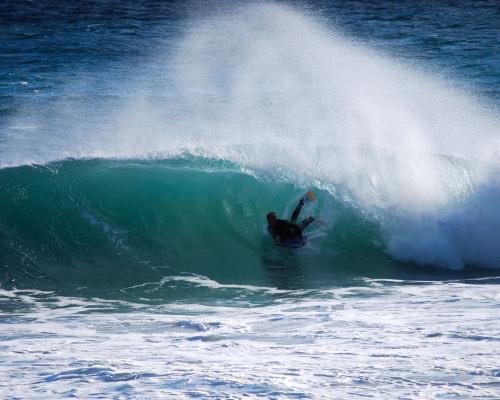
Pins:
x: 142, y: 145
x: 96, y: 227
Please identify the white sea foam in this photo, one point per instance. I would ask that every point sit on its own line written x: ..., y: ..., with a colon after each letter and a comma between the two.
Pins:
x: 199, y: 280
x: 387, y: 341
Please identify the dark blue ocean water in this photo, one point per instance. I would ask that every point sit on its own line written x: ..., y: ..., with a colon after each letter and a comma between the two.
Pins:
x: 46, y: 44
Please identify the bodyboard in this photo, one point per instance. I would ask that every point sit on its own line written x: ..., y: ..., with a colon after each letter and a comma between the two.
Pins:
x: 292, y: 243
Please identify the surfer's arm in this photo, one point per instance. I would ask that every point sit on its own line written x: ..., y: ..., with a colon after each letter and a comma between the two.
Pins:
x: 276, y: 238
x: 296, y: 212
x: 274, y: 235
x: 308, y: 197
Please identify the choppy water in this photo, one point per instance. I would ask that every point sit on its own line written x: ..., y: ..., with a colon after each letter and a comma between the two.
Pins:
x: 142, y: 144
x: 381, y: 339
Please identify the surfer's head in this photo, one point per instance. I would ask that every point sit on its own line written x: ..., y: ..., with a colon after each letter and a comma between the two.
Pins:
x: 271, y: 218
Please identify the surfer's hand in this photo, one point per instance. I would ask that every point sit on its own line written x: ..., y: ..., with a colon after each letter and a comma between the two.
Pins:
x: 308, y: 197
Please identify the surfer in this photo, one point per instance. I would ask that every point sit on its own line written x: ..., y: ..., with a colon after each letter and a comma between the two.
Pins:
x: 289, y: 233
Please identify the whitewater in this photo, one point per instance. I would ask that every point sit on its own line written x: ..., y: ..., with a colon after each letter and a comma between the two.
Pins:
x: 141, y: 149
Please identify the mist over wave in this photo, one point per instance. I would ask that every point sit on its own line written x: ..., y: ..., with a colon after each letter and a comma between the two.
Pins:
x: 284, y: 97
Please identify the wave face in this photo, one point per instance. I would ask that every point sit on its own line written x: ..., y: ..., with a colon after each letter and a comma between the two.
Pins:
x: 104, y: 224
x: 246, y: 110
x: 121, y: 223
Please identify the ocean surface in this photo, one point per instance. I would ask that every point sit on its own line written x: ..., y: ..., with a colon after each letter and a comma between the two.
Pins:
x: 142, y: 145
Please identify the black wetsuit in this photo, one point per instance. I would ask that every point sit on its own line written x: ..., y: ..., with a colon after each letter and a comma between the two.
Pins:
x: 289, y: 230
x: 285, y: 230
